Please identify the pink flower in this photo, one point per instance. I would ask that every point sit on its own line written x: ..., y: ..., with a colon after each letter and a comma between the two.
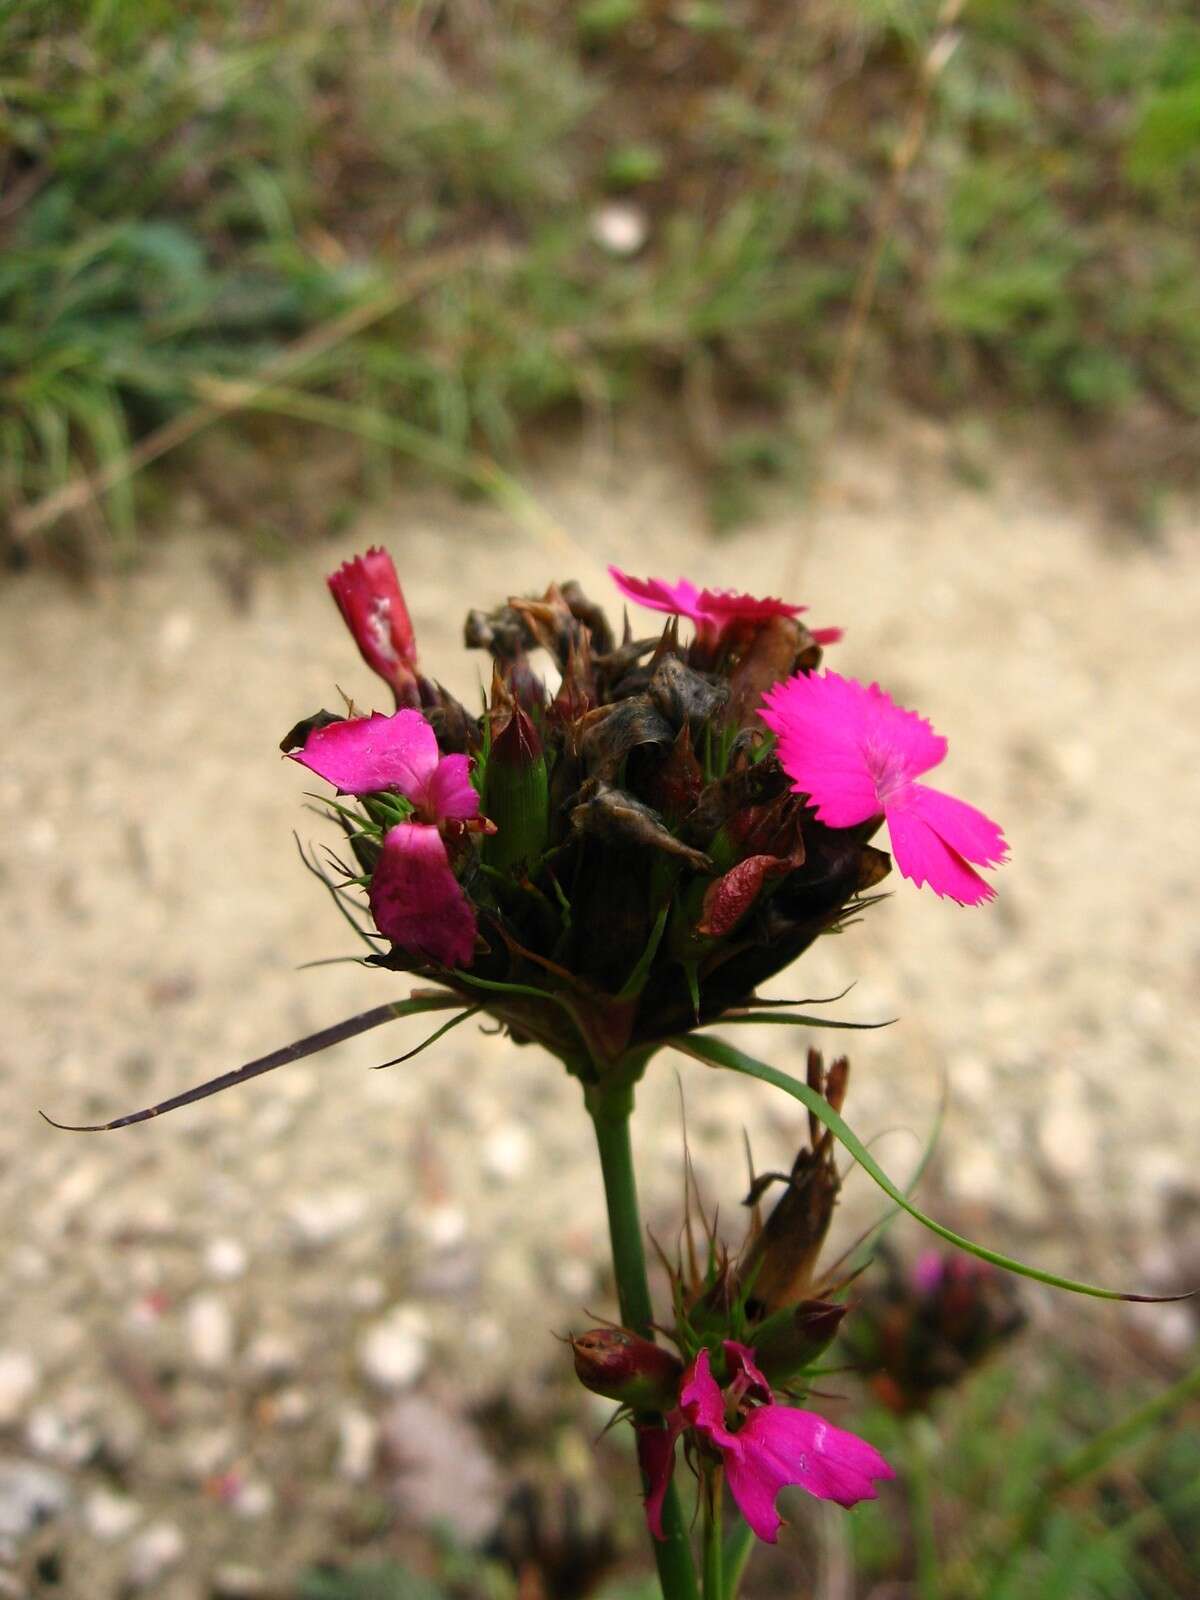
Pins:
x: 855, y: 754
x: 369, y: 597
x: 763, y: 1445
x: 714, y: 611
x: 416, y: 900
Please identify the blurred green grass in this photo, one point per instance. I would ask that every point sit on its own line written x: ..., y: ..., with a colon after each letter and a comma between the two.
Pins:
x: 188, y: 190
x: 998, y: 1526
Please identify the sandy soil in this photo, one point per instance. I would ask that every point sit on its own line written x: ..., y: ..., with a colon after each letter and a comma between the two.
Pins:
x: 204, y: 1318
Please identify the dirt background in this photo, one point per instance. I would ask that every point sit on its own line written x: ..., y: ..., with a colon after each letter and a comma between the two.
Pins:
x: 208, y: 1322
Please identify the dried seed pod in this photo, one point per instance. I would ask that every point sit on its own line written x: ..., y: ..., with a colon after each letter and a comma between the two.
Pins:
x: 610, y: 813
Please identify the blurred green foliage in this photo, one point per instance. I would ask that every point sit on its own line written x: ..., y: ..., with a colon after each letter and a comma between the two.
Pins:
x: 187, y: 189
x: 998, y: 1526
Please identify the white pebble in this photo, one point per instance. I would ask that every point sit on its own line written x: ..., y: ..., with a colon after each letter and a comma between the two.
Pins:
x: 18, y: 1382
x: 254, y: 1498
x: 69, y: 1440
x: 291, y: 1407
x: 271, y: 1355
x: 506, y: 1152
x: 29, y: 1495
x: 619, y: 227
x: 154, y: 1553
x: 442, y: 1225
x: 225, y: 1259
x: 358, y: 1440
x: 321, y: 1218
x: 393, y: 1351
x: 110, y: 1516
x: 209, y: 1331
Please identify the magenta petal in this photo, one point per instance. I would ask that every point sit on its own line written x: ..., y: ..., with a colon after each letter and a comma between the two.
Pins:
x: 741, y: 1361
x: 931, y: 834
x: 847, y: 745
x: 416, y: 900
x: 681, y: 599
x: 703, y: 1404
x: 450, y: 795
x: 967, y: 831
x: 656, y: 1457
x: 726, y: 605
x: 369, y: 597
x: 364, y: 755
x: 818, y: 720
x: 781, y: 1446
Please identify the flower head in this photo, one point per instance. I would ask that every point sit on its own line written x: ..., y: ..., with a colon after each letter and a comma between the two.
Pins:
x: 762, y: 1444
x: 369, y: 596
x: 921, y: 1327
x: 856, y: 755
x: 414, y: 896
x: 716, y: 612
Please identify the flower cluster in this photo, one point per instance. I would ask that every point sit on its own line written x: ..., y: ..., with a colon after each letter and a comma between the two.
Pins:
x: 634, y: 849
x: 747, y: 1327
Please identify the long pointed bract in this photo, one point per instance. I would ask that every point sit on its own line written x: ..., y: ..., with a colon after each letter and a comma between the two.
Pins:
x: 309, y: 1046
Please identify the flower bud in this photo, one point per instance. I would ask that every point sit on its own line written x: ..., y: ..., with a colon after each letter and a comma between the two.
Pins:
x: 793, y: 1338
x: 517, y: 798
x: 621, y: 1366
x: 368, y: 595
x: 922, y: 1329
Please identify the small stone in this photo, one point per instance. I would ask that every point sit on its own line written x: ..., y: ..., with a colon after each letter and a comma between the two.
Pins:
x: 254, y: 1498
x: 392, y: 1352
x: 506, y: 1152
x: 442, y: 1225
x: 444, y: 1474
x: 238, y: 1583
x: 29, y: 1495
x: 1067, y: 1138
x: 271, y: 1355
x: 619, y: 227
x: 154, y: 1553
x: 205, y: 1455
x: 319, y: 1219
x: 575, y: 1278
x: 209, y: 1331
x: 175, y: 634
x: 225, y: 1259
x: 358, y: 1439
x: 110, y: 1516
x: 68, y: 1440
x: 290, y: 1407
x: 19, y: 1377
x: 28, y: 1264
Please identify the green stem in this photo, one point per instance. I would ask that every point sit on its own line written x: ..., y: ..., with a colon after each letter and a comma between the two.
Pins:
x: 737, y: 1553
x: 714, y: 1570
x: 610, y: 1113
x: 920, y: 1439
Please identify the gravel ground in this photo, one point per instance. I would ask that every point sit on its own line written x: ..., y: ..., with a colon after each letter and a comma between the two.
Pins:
x: 209, y: 1322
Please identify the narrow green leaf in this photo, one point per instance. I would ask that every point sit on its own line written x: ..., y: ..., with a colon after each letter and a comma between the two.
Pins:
x: 636, y: 981
x: 772, y: 1018
x: 716, y: 1053
x: 433, y: 1038
x: 499, y: 987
